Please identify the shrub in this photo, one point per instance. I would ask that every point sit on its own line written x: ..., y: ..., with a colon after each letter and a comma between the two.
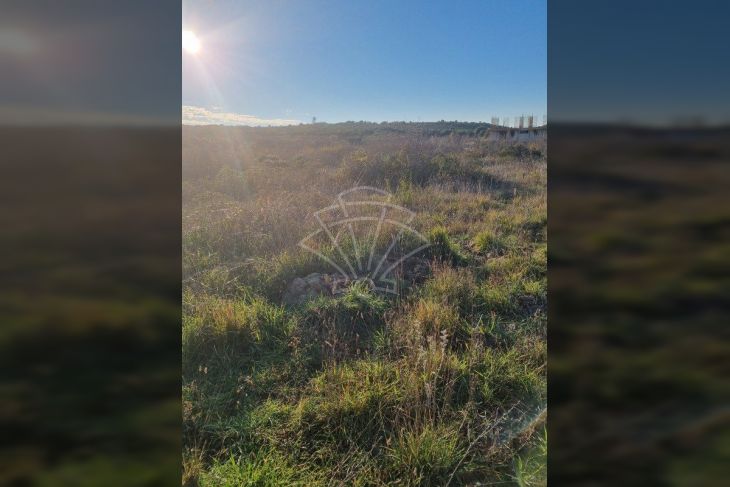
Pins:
x: 405, y: 193
x: 520, y: 151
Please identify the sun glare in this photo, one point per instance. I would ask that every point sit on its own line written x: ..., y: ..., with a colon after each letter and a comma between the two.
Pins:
x: 190, y: 42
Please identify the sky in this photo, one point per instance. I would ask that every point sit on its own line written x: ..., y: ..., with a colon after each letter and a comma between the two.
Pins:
x: 90, y: 62
x: 653, y: 62
x: 275, y: 62
x: 282, y: 61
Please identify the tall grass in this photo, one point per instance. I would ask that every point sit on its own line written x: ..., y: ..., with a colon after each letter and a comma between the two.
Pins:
x: 360, y: 388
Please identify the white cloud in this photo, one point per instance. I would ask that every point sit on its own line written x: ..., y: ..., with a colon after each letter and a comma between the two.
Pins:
x: 192, y: 115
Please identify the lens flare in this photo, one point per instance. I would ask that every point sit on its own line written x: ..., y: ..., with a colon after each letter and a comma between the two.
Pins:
x: 190, y: 42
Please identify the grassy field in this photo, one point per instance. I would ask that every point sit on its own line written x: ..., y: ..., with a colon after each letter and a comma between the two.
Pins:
x: 443, y: 384
x: 639, y: 271
x: 90, y: 303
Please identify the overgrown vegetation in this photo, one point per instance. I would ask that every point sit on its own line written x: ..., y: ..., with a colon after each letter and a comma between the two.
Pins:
x: 442, y: 385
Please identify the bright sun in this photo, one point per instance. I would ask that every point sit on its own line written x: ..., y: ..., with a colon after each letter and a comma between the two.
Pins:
x: 190, y: 42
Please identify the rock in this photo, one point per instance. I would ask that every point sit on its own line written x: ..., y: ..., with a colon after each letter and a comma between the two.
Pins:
x: 339, y: 285
x: 301, y: 290
x: 298, y: 285
x: 313, y: 278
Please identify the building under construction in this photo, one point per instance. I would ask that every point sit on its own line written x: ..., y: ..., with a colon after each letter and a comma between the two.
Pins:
x: 521, y: 132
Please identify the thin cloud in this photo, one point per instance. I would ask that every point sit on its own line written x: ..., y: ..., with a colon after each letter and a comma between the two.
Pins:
x: 192, y: 115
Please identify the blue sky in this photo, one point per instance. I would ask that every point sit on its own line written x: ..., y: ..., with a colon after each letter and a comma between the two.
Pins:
x: 275, y: 61
x: 651, y: 61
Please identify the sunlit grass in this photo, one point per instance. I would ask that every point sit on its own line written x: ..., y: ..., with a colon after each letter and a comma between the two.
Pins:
x: 361, y: 388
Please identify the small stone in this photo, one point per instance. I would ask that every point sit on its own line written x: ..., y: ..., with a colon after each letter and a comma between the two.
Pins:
x: 298, y: 285
x: 313, y: 277
x: 301, y: 290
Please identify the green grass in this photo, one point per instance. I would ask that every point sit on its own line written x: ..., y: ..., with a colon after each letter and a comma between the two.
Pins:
x: 361, y: 388
x: 263, y: 469
x: 531, y: 467
x: 487, y: 241
x: 444, y: 248
x: 425, y: 457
